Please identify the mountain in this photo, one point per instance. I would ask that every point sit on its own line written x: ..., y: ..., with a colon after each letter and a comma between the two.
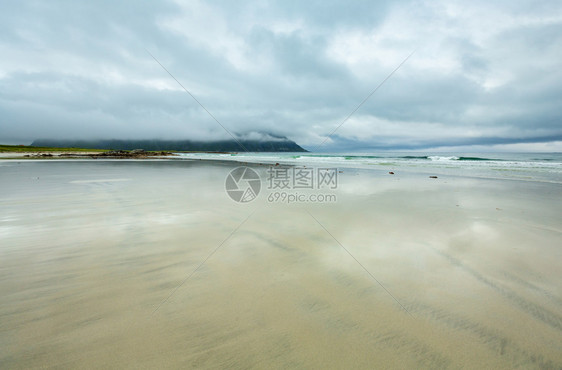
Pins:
x: 271, y: 144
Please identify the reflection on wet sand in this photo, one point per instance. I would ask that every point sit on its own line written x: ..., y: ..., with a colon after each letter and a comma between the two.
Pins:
x: 96, y: 262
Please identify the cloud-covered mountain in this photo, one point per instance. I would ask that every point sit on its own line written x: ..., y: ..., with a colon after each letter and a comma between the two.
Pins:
x: 251, y: 143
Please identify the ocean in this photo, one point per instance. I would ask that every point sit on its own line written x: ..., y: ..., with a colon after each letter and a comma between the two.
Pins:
x: 545, y: 167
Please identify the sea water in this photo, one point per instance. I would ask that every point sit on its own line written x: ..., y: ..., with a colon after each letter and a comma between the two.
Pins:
x: 522, y: 166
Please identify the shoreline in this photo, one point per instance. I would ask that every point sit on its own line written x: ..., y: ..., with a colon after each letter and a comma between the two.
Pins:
x: 397, y: 171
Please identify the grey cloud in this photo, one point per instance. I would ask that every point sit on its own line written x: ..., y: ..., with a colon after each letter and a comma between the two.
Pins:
x: 482, y: 74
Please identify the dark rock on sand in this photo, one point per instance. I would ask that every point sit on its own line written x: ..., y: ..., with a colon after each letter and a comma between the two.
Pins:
x: 140, y: 153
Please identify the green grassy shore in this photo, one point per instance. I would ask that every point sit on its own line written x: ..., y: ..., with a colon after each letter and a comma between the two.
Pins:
x: 31, y: 149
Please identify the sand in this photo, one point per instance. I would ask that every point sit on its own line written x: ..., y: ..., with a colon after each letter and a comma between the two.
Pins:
x: 150, y: 264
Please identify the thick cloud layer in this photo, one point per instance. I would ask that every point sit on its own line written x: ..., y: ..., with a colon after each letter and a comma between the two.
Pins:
x: 482, y: 73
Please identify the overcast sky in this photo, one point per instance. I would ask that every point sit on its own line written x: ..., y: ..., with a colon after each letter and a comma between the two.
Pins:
x: 483, y: 75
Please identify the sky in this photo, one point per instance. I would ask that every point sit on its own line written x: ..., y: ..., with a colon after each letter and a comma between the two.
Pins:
x: 483, y: 75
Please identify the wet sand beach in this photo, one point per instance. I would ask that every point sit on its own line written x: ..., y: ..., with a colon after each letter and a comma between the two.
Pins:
x: 149, y: 264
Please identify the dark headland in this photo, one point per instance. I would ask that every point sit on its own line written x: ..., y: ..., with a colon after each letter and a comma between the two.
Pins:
x: 276, y: 144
